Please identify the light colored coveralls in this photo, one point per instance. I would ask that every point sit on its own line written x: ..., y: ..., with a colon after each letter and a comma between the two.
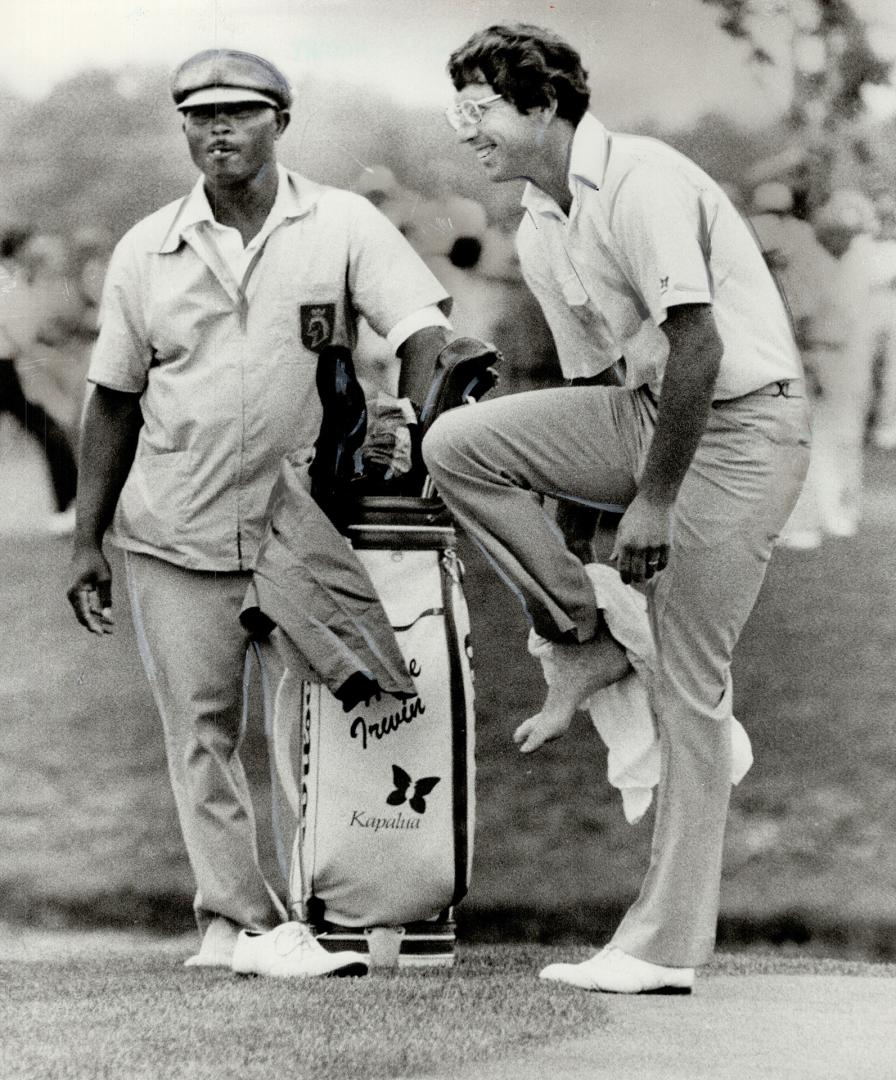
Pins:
x: 222, y: 343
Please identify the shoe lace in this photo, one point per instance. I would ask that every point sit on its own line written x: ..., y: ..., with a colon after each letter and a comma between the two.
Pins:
x: 292, y: 936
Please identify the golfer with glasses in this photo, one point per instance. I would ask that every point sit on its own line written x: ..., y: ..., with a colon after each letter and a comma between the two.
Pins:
x: 638, y: 259
x: 470, y: 111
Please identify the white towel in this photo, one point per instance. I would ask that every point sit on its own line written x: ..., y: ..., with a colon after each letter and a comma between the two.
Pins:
x: 621, y: 713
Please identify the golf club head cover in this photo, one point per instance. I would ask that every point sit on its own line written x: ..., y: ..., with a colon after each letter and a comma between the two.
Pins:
x: 337, y: 450
x: 465, y: 371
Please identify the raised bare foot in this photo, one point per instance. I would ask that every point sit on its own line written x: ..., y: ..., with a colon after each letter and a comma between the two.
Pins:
x: 573, y: 673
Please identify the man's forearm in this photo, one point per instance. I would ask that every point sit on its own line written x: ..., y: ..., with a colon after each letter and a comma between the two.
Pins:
x: 695, y: 353
x: 112, y: 423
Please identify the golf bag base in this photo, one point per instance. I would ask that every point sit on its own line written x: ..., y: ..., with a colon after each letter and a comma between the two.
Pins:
x: 422, y: 944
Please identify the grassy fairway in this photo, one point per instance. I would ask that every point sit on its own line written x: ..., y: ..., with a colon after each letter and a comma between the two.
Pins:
x: 116, y: 1005
x: 142, y: 1015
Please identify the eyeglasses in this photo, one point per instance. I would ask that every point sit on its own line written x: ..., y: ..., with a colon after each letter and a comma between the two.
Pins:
x: 469, y: 111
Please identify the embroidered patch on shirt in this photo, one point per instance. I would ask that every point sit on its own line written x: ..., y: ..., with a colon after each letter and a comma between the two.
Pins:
x: 316, y: 323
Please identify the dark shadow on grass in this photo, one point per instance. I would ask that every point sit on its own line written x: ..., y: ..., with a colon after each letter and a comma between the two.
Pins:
x: 860, y: 940
x: 169, y: 914
x: 165, y: 914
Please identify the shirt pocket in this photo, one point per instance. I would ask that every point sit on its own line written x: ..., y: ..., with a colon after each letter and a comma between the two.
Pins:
x: 591, y: 321
x: 577, y: 299
x: 302, y: 323
x: 152, y: 506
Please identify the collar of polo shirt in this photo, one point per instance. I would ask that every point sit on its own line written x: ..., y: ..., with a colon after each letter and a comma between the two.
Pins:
x: 587, y: 163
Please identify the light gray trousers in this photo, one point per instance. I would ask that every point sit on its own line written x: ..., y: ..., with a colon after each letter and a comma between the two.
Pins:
x: 194, y: 653
x: 493, y: 463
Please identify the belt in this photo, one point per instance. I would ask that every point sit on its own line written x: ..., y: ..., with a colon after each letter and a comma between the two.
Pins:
x: 789, y: 388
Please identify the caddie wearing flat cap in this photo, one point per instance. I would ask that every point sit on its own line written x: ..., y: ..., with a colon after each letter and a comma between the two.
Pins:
x: 216, y: 309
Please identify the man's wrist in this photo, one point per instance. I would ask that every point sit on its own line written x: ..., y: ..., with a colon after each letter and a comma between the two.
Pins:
x: 660, y: 498
x: 88, y: 538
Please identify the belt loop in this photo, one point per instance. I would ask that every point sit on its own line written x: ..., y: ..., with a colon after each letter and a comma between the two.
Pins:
x: 782, y: 388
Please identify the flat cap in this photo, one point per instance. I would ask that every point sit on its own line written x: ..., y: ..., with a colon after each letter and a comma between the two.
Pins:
x: 220, y: 76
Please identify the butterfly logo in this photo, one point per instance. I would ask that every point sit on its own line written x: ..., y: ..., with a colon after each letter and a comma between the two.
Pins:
x: 403, y: 784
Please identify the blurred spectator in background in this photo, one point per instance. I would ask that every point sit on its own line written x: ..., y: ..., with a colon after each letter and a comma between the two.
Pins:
x: 807, y: 170
x: 736, y: 197
x: 791, y: 250
x: 448, y: 233
x: 883, y: 324
x: 377, y: 184
x: 840, y: 340
x: 91, y: 250
x: 67, y: 280
x: 520, y: 330
x: 477, y: 263
x: 803, y: 270
x: 33, y: 315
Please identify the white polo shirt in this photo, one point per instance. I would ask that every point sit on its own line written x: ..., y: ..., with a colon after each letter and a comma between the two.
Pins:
x: 226, y: 369
x: 648, y: 230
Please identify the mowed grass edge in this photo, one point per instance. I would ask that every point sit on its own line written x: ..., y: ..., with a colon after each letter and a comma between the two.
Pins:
x: 93, y: 1006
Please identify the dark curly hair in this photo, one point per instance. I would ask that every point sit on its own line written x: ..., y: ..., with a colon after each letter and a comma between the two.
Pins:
x: 527, y: 65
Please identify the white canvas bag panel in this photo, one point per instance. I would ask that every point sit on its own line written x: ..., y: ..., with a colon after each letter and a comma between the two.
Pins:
x: 387, y: 788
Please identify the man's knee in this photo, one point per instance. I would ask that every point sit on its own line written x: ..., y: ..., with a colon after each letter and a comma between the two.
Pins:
x: 446, y: 443
x: 686, y: 695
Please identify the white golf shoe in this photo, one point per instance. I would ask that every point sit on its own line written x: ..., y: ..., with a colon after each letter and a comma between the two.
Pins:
x: 292, y: 951
x: 615, y: 972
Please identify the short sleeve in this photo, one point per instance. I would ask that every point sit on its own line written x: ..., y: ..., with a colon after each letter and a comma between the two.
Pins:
x: 388, y: 281
x: 659, y: 222
x: 122, y: 354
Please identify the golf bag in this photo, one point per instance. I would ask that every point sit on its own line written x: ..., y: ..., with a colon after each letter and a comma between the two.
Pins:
x: 382, y: 790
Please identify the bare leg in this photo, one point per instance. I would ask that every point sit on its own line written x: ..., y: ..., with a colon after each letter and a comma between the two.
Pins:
x: 573, y: 673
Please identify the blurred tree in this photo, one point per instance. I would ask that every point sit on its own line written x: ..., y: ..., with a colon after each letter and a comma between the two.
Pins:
x: 95, y: 151
x: 831, y: 62
x: 830, y: 53
x: 724, y: 148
